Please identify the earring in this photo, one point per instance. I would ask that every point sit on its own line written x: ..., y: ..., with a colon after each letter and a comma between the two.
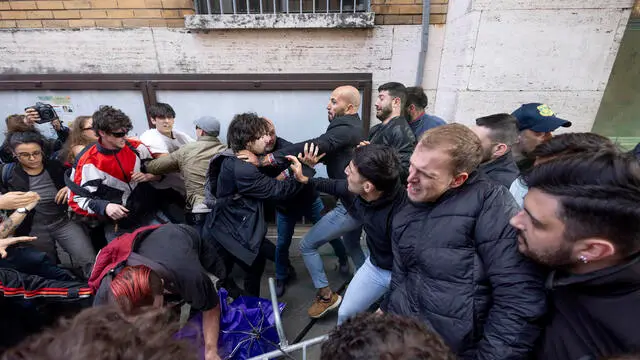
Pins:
x: 583, y: 259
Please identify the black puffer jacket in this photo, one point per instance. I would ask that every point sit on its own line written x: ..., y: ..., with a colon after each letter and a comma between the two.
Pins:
x: 502, y: 170
x: 397, y: 134
x: 458, y: 269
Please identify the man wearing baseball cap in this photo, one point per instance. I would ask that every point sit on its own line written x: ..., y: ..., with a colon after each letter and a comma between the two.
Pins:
x: 192, y: 160
x: 536, y: 122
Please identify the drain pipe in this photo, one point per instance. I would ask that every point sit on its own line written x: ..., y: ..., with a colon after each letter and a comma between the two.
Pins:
x: 424, y: 43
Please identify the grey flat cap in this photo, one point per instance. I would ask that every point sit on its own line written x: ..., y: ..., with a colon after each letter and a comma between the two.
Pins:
x: 209, y: 124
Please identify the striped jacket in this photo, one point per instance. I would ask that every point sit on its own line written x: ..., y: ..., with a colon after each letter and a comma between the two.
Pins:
x: 106, y: 174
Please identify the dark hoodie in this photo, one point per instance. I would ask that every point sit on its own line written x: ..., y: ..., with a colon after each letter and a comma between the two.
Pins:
x: 376, y: 216
x: 593, y: 315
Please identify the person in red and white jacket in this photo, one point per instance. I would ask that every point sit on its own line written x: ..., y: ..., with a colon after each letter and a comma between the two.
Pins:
x: 109, y: 176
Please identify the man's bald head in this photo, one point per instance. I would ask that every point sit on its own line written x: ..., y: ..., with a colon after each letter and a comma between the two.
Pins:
x: 345, y: 100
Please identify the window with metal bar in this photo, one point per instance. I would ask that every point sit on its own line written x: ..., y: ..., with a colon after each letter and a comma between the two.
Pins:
x: 226, y: 7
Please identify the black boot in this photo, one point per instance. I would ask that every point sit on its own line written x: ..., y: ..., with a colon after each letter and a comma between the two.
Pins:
x: 281, y: 287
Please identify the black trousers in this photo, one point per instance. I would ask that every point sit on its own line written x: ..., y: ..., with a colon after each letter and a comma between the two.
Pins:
x: 253, y: 272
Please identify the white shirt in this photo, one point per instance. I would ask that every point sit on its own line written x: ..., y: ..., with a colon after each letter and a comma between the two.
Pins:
x: 160, y: 144
x: 519, y: 190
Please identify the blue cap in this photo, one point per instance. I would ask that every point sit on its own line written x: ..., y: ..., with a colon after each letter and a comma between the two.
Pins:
x: 539, y: 118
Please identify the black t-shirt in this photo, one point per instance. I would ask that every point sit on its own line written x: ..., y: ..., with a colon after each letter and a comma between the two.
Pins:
x: 177, y: 248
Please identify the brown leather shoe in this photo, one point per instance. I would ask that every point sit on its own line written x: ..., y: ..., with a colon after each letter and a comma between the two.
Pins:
x: 321, y: 306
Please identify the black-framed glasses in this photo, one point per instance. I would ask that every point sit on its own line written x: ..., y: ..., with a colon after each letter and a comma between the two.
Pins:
x: 119, y: 134
x: 26, y: 155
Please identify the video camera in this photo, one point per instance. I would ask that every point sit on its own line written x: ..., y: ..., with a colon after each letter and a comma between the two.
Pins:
x: 45, y: 111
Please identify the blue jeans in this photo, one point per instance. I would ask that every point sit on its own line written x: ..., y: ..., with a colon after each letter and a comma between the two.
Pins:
x: 369, y: 284
x: 334, y: 224
x: 286, y: 226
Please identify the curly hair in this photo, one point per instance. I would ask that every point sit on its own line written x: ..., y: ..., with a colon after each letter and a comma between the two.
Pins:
x: 110, y: 119
x: 384, y: 337
x: 105, y: 333
x: 245, y: 128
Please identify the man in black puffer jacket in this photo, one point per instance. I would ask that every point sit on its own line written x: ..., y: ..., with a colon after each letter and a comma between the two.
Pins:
x: 456, y: 260
x: 394, y: 131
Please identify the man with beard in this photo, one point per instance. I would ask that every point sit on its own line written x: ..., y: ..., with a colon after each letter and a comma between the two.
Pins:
x: 536, y: 122
x: 306, y: 203
x: 343, y: 134
x: 456, y: 264
x: 581, y: 219
x: 497, y: 134
x: 393, y: 131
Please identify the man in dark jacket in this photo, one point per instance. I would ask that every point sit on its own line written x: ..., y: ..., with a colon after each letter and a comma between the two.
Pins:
x: 343, y: 134
x: 236, y: 190
x: 581, y: 219
x: 373, y: 193
x: 393, y: 129
x: 497, y: 135
x: 456, y: 264
x: 306, y: 203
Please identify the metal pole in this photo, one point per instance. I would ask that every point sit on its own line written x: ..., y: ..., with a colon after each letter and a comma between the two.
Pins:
x: 221, y: 10
x: 294, y: 347
x: 261, y: 7
x: 276, y: 313
x: 300, y: 6
x: 248, y: 12
x: 340, y: 6
x: 424, y: 44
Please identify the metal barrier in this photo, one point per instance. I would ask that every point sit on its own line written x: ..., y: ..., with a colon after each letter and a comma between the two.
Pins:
x: 286, y: 349
x: 222, y: 7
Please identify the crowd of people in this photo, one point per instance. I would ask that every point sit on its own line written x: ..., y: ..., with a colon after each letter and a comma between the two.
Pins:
x: 501, y: 240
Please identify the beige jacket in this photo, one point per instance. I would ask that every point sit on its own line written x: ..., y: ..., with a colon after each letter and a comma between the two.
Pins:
x: 192, y: 161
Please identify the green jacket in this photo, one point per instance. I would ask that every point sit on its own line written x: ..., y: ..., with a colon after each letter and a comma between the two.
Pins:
x: 192, y: 161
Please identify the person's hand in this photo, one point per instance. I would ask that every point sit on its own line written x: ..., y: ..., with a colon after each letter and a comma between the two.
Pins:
x: 211, y: 354
x: 31, y: 116
x: 116, y: 211
x: 310, y: 156
x: 61, y: 196
x: 364, y: 143
x: 5, y: 243
x: 56, y: 124
x: 142, y: 177
x: 18, y: 199
x: 296, y: 169
x: 248, y: 156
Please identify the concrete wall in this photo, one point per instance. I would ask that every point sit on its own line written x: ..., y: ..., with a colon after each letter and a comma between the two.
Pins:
x: 499, y: 54
x: 389, y: 52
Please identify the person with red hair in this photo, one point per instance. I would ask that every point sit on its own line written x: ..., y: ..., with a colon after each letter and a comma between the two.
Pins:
x: 137, y: 287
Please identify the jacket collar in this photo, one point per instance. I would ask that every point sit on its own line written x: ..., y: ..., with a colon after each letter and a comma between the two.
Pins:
x: 503, y: 161
x: 619, y: 278
x: 386, y: 198
x: 105, y: 151
x: 209, y: 138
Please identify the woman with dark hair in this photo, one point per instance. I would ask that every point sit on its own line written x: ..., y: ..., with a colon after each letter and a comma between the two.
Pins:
x: 82, y: 134
x: 18, y: 123
x: 48, y: 220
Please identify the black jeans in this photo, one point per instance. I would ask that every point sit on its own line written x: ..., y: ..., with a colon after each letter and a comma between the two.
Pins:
x: 253, y: 272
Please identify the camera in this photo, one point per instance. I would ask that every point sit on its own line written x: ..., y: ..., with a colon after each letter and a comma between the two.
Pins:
x: 45, y: 111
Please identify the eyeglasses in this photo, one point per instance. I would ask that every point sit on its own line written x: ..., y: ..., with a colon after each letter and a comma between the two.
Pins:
x: 119, y: 134
x: 26, y: 155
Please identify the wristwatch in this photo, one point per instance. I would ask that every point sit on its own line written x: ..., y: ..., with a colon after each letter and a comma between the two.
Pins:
x: 22, y: 210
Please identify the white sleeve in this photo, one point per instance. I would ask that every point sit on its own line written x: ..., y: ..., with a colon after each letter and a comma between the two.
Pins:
x: 152, y: 139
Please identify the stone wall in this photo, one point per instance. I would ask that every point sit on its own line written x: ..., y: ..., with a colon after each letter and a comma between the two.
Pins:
x: 499, y: 54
